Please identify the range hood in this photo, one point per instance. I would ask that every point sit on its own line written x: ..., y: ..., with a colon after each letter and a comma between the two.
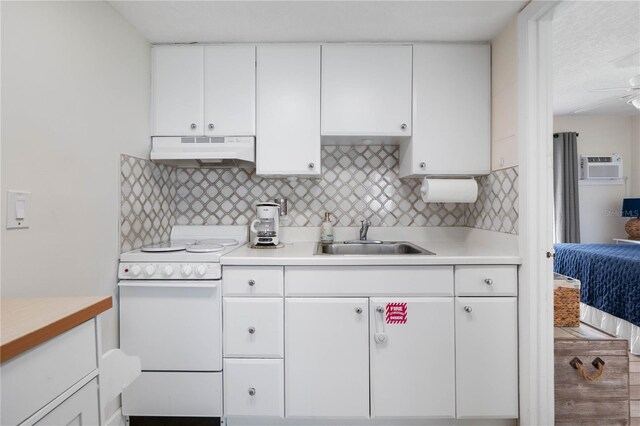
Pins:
x: 204, y: 151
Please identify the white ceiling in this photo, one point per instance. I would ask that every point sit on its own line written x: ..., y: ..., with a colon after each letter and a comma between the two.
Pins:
x: 305, y: 21
x: 596, y: 44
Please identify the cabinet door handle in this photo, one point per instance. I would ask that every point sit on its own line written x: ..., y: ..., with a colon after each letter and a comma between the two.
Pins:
x: 193, y: 126
x: 252, y: 283
x: 311, y: 165
x: 252, y: 330
x: 423, y: 165
x: 211, y: 126
x: 403, y: 126
x: 252, y: 391
x: 468, y: 309
x: 358, y: 310
x: 488, y: 281
x: 380, y: 336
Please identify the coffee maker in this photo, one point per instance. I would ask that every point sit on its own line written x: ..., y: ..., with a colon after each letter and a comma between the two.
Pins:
x: 266, y: 227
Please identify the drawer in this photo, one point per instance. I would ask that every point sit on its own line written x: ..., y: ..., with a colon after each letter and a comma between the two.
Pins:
x: 486, y: 280
x: 254, y: 387
x: 369, y: 281
x: 156, y: 393
x: 81, y: 408
x: 253, y: 327
x: 33, y: 379
x: 253, y: 281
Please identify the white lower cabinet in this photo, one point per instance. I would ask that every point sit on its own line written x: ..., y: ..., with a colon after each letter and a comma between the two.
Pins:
x: 253, y: 327
x: 254, y: 387
x: 386, y: 344
x: 412, y: 362
x: 326, y: 357
x: 79, y: 409
x: 486, y: 357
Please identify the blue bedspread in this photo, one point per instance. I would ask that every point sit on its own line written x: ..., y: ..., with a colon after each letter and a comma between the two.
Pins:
x: 609, y: 273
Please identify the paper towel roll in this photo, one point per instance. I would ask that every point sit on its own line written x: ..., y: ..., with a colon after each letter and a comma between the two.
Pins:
x: 449, y: 190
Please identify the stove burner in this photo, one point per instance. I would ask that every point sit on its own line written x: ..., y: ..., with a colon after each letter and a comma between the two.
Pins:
x: 163, y: 247
x: 204, y: 248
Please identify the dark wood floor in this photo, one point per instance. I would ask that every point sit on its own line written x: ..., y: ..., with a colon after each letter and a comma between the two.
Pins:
x: 173, y: 421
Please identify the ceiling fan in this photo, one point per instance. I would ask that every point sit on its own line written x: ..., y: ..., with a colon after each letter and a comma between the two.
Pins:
x: 632, y: 96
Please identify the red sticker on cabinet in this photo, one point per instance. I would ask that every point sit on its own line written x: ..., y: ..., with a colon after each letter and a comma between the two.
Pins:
x: 396, y: 313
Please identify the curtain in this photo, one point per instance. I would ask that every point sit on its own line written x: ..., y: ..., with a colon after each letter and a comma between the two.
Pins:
x: 565, y: 187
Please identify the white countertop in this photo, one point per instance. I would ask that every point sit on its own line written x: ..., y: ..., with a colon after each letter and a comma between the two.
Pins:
x: 452, y: 246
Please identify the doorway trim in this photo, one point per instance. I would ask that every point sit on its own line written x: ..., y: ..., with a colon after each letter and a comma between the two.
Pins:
x: 535, y: 127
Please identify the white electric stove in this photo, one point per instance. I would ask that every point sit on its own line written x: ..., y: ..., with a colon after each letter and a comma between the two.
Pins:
x: 193, y: 252
x: 171, y: 317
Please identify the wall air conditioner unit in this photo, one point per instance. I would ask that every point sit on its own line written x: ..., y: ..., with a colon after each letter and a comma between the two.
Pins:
x: 600, y: 167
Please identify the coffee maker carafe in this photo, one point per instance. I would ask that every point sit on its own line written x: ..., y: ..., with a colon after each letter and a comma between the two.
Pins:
x: 266, y: 227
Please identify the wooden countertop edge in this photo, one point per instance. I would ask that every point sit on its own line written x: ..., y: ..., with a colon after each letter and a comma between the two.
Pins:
x: 30, y: 340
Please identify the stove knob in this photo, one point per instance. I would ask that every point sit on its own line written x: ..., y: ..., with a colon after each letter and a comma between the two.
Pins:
x: 135, y: 270
x: 186, y: 270
x: 201, y: 270
x: 149, y: 270
x: 168, y: 271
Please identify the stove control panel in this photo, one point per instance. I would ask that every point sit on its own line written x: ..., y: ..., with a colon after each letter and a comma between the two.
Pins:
x: 169, y: 271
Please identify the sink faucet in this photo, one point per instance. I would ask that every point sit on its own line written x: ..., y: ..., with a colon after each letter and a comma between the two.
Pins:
x: 364, y: 228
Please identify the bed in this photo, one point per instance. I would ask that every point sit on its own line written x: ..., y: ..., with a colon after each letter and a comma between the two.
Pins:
x: 610, y: 291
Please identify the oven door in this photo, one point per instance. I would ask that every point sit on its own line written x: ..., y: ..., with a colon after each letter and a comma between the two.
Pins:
x: 172, y: 325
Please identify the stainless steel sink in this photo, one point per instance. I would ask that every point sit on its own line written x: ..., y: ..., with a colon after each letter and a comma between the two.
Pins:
x: 369, y: 248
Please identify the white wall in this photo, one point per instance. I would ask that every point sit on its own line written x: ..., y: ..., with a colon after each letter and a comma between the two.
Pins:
x: 75, y: 94
x: 600, y: 204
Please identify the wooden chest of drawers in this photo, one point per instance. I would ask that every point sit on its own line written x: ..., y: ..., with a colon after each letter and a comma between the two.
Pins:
x: 578, y: 400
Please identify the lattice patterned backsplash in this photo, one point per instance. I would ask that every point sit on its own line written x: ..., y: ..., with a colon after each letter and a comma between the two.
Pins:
x: 497, y: 206
x: 147, y: 202
x: 357, y: 182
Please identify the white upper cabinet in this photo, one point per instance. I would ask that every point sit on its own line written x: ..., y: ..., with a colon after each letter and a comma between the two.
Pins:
x: 451, y: 111
x: 178, y: 90
x: 230, y: 90
x: 288, y: 110
x: 204, y: 90
x: 366, y: 90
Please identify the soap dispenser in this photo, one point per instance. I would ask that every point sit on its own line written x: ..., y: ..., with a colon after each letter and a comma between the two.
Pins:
x: 326, y: 229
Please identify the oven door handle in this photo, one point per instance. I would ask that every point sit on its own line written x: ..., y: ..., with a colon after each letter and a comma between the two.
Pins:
x: 170, y: 284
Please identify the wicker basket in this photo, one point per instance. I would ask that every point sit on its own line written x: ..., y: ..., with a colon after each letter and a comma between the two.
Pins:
x: 566, y: 303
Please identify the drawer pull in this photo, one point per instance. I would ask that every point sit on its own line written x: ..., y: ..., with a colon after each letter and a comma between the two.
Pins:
x: 468, y: 309
x: 252, y: 391
x: 252, y: 283
x: 598, y: 363
x: 488, y: 281
x: 252, y: 330
x: 358, y: 310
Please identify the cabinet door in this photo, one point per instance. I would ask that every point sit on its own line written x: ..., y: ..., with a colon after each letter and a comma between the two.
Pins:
x: 178, y: 90
x: 486, y: 357
x: 230, y: 90
x: 412, y: 359
x: 452, y: 111
x: 366, y: 90
x: 327, y: 357
x: 288, y: 117
x: 79, y: 409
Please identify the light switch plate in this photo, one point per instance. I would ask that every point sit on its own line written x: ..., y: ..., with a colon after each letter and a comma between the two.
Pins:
x: 18, y: 209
